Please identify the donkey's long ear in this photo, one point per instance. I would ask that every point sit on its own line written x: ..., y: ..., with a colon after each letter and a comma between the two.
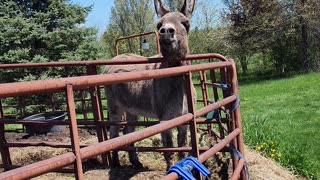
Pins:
x: 161, y: 10
x: 188, y: 7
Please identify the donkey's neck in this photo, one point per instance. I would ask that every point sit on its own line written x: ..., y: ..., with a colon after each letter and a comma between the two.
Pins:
x: 173, y: 62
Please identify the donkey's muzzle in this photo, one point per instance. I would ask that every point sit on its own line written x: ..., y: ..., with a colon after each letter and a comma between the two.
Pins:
x: 167, y: 32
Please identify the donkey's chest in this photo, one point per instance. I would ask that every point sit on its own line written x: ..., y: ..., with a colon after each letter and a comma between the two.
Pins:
x: 151, y: 98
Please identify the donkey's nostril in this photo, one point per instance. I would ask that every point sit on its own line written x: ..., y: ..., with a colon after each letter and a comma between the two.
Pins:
x: 162, y: 31
x: 167, y: 30
x: 171, y: 30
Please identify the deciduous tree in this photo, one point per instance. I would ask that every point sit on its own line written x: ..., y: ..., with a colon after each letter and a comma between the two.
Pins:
x: 129, y: 17
x: 285, y: 30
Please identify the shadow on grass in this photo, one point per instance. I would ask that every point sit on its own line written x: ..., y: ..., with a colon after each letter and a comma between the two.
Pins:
x: 125, y: 172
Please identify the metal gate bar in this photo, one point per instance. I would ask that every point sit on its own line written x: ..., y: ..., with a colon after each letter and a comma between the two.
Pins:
x: 74, y: 132
x: 5, y: 154
x: 55, y: 85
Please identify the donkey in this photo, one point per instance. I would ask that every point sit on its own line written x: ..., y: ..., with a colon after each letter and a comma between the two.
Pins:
x: 163, y: 98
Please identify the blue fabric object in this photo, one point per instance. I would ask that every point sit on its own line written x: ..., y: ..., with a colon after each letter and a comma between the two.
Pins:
x: 213, y: 115
x: 224, y: 86
x: 240, y: 157
x: 237, y: 103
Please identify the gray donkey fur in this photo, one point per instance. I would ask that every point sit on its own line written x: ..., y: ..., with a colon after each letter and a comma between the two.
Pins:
x: 163, y: 98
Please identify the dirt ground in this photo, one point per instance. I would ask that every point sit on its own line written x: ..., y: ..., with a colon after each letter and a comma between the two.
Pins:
x: 153, y: 163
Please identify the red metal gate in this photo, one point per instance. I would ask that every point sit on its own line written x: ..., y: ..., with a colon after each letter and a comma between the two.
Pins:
x: 229, y: 129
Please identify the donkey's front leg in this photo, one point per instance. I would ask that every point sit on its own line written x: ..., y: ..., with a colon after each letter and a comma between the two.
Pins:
x: 114, y: 115
x: 129, y: 129
x: 182, y: 138
x: 166, y: 138
x: 114, y: 132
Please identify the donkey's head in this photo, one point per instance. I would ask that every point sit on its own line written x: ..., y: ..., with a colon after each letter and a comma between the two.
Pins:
x: 173, y: 30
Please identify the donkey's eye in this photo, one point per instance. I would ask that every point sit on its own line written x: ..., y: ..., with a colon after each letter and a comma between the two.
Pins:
x: 159, y: 25
x: 186, y: 25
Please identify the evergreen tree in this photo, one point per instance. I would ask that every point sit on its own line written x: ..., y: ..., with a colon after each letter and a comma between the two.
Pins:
x: 43, y: 31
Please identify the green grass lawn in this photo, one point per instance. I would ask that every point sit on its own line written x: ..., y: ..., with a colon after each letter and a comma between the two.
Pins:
x: 281, y: 119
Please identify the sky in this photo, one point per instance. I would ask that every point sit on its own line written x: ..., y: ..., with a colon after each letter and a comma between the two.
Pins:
x: 99, y: 15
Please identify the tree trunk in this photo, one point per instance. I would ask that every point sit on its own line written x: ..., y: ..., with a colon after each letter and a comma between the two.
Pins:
x: 304, y: 42
x: 243, y: 63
